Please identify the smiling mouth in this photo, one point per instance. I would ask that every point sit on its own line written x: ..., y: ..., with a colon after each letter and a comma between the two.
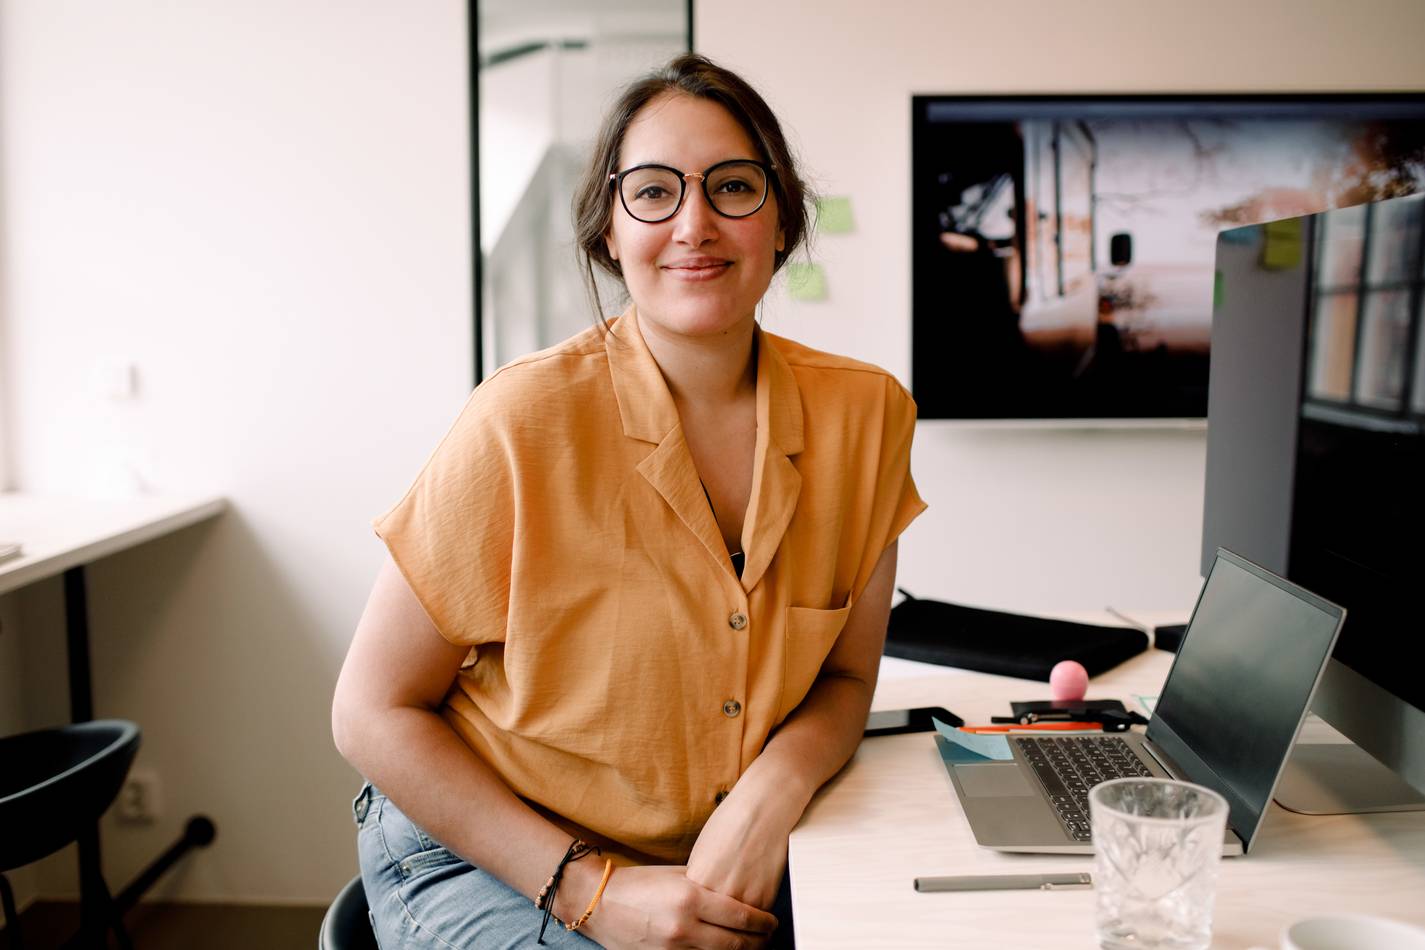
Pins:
x: 702, y: 270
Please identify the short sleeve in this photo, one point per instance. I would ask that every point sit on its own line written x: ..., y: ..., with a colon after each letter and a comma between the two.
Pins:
x: 895, y: 503
x: 452, y: 534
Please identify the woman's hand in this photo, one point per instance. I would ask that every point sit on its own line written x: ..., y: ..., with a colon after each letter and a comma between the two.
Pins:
x: 660, y: 907
x: 742, y: 850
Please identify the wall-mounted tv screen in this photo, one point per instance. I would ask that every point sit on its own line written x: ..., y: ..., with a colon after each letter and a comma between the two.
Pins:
x: 1062, y: 247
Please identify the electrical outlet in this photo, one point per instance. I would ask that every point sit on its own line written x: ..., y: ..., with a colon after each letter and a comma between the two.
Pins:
x: 139, y: 801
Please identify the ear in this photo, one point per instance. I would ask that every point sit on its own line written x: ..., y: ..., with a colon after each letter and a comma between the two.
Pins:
x: 611, y: 244
x: 781, y: 240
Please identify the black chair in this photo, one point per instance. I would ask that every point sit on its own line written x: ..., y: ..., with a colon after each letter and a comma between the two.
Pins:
x: 347, y: 925
x: 54, y: 785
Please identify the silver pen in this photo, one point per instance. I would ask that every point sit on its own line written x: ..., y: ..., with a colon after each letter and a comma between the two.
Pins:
x: 1006, y: 882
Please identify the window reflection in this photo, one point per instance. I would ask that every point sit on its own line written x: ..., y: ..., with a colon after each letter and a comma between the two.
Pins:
x: 1395, y: 240
x: 1342, y: 238
x: 1367, y: 350
x: 1385, y: 333
x: 1333, y: 356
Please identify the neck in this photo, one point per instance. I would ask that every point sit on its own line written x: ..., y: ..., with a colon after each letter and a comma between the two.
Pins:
x: 703, y: 371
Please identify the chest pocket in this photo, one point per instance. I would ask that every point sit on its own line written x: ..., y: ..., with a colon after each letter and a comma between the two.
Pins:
x: 811, y: 633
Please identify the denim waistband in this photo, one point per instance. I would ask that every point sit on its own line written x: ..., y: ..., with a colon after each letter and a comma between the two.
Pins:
x: 361, y: 804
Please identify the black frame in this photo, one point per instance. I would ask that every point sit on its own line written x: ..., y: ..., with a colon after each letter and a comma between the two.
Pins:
x: 616, y: 183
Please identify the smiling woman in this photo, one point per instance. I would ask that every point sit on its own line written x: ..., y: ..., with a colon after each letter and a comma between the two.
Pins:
x: 632, y: 146
x: 637, y: 597
x: 702, y: 270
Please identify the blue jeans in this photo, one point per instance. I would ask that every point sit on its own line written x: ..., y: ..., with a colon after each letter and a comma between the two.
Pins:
x: 423, y: 896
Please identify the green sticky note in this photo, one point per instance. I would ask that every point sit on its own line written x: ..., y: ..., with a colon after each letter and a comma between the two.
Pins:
x: 1281, y: 247
x: 805, y: 281
x: 833, y: 215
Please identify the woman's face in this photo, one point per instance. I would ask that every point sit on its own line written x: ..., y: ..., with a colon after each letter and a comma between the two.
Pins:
x: 698, y: 273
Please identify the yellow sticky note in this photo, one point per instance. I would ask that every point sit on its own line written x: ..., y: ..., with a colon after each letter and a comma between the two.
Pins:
x: 1281, y: 245
x: 833, y: 215
x: 805, y: 281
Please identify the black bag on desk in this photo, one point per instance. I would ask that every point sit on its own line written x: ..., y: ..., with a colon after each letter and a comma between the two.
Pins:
x: 991, y: 641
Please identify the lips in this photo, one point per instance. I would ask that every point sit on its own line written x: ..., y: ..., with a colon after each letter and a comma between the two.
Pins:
x: 698, y: 268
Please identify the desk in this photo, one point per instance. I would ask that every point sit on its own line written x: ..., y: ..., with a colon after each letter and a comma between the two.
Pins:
x: 60, y: 536
x: 892, y: 815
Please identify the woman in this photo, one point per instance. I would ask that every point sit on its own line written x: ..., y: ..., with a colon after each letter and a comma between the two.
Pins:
x: 637, y: 596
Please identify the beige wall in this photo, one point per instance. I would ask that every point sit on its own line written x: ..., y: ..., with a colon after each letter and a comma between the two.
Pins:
x: 264, y: 207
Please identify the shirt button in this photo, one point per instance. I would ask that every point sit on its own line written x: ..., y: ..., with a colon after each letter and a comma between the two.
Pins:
x: 731, y: 708
x: 738, y: 620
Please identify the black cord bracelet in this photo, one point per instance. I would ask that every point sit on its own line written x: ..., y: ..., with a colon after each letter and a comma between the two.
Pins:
x: 545, y: 899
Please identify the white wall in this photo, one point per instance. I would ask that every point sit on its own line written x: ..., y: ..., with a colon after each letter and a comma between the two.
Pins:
x: 1031, y: 519
x: 264, y: 206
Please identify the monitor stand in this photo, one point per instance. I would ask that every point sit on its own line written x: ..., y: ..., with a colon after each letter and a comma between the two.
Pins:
x: 1338, y: 778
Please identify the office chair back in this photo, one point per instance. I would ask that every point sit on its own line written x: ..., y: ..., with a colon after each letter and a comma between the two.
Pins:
x: 56, y: 782
x: 347, y: 925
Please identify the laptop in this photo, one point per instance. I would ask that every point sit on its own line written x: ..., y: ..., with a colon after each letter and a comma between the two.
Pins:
x: 1227, y: 718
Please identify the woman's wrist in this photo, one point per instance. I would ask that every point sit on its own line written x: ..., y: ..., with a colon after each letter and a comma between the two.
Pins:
x: 581, y: 879
x: 783, y: 792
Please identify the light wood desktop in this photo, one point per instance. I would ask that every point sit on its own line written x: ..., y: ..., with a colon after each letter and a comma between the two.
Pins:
x: 892, y: 815
x: 57, y: 533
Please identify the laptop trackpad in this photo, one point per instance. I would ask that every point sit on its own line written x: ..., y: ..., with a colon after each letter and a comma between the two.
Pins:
x: 997, y: 781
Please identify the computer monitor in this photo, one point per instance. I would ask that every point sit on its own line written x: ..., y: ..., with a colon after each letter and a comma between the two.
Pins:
x: 1316, y: 469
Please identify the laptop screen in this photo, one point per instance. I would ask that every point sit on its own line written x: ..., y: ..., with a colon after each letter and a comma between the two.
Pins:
x: 1243, y: 679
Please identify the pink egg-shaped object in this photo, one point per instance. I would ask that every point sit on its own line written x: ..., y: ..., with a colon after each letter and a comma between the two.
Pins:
x: 1068, y: 682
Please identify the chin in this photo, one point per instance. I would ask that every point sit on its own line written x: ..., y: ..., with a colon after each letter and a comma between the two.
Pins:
x: 699, y: 317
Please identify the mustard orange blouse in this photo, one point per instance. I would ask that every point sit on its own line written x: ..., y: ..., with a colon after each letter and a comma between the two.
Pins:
x: 621, y: 676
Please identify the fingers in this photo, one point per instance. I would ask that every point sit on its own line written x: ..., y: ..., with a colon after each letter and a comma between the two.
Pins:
x: 723, y: 911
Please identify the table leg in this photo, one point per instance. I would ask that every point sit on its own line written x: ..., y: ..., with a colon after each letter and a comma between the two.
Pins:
x: 98, y: 908
x: 81, y: 709
x: 76, y: 626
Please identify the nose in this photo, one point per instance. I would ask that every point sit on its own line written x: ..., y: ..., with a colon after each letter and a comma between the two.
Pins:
x: 696, y: 222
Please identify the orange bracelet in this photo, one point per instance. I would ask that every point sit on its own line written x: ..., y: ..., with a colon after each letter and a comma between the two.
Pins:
x: 589, y: 911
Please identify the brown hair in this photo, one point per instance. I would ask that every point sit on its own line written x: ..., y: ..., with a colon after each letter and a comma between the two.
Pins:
x: 693, y: 75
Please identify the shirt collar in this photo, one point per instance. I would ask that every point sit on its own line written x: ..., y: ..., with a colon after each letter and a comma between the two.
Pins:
x: 649, y: 415
x: 646, y: 406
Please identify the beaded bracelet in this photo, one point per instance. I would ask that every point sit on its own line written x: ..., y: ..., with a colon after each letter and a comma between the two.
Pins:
x: 544, y: 900
x: 589, y: 911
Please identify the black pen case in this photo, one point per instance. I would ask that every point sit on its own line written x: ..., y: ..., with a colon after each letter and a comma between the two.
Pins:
x: 1007, y: 644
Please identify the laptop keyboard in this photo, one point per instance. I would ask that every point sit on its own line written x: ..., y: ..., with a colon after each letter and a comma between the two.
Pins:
x: 1068, y: 766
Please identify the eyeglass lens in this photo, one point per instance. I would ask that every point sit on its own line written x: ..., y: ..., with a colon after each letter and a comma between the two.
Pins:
x: 735, y: 189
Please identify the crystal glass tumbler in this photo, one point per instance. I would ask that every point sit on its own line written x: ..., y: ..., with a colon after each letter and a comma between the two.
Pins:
x: 1157, y: 844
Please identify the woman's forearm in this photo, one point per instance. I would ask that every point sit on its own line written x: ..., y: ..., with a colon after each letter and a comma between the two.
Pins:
x: 742, y: 850
x: 415, y: 758
x: 820, y: 735
x: 813, y: 743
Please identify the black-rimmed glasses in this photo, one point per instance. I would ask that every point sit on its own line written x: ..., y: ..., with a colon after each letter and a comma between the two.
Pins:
x: 654, y: 193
